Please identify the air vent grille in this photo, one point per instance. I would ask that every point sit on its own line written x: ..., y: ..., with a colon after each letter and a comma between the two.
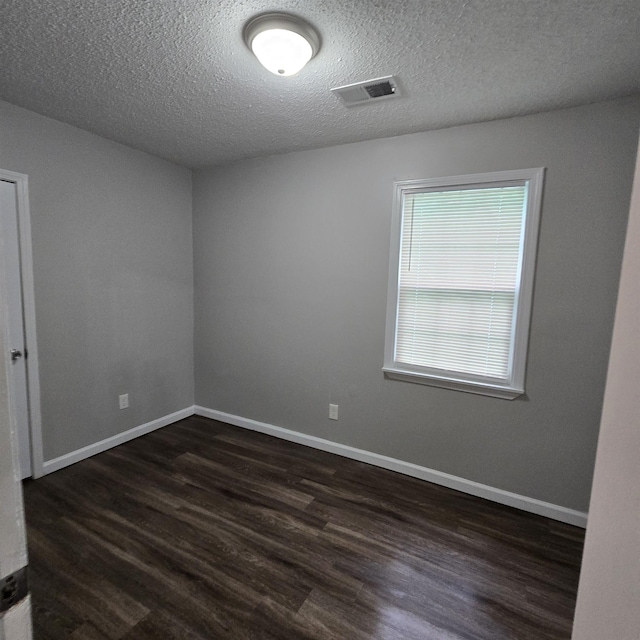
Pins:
x: 379, y: 89
x: 368, y: 91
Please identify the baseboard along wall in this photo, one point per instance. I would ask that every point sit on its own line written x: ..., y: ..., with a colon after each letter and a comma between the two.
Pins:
x: 547, y: 509
x: 108, y: 443
x: 532, y: 505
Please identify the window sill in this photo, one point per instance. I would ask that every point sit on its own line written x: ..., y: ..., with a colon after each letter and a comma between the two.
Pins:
x: 480, y: 388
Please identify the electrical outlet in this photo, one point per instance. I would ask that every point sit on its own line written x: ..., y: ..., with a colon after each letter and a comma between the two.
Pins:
x: 333, y: 412
x: 124, y: 401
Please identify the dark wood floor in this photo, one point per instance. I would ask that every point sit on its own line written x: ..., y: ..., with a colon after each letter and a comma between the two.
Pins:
x: 202, y: 530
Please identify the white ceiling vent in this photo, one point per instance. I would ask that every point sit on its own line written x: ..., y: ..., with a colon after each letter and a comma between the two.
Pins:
x: 367, y: 91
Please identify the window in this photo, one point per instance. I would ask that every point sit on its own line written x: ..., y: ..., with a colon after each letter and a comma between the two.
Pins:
x: 461, y: 281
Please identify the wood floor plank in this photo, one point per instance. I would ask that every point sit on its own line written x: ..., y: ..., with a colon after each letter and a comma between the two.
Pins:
x: 203, y: 531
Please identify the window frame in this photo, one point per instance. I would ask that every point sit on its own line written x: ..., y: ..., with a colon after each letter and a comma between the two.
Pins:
x: 512, y: 385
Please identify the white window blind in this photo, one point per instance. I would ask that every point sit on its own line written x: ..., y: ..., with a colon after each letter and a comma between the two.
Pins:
x: 457, y: 282
x: 458, y: 277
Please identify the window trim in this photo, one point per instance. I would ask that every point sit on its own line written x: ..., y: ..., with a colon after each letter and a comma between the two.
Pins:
x: 507, y: 388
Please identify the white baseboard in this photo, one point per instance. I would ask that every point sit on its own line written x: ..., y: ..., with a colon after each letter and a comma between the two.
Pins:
x: 86, y: 452
x: 555, y: 512
x: 547, y: 509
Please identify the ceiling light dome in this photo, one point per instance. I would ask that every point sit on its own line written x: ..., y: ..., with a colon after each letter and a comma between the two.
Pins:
x: 282, y: 43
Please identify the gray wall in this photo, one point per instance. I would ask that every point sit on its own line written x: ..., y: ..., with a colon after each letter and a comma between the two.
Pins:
x: 113, y: 269
x: 291, y: 262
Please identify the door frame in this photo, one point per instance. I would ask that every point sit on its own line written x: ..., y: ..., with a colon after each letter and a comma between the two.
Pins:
x: 21, y: 182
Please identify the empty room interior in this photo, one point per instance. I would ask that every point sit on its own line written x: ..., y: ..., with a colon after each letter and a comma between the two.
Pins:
x: 340, y: 349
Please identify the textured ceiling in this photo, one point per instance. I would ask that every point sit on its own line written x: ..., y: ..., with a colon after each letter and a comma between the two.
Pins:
x: 174, y: 78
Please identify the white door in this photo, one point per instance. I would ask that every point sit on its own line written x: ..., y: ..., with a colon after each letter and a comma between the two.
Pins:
x: 10, y: 247
x: 15, y: 616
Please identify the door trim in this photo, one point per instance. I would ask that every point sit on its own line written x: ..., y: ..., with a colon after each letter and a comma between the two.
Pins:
x: 28, y: 301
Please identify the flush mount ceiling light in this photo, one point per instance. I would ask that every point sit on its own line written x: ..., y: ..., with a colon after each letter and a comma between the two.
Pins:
x: 282, y: 43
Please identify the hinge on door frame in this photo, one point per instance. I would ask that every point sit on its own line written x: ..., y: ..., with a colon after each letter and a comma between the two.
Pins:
x: 13, y: 588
